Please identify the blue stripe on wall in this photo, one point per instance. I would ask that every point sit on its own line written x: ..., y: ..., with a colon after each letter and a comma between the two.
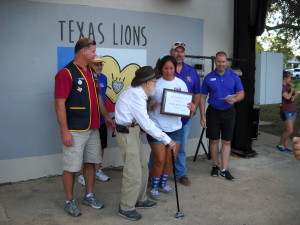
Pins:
x: 64, y: 56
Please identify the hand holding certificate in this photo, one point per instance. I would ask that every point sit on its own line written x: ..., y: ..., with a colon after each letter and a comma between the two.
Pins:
x: 176, y: 103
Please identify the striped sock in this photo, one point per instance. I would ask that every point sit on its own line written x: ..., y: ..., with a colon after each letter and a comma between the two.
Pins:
x: 154, y: 182
x: 163, y: 180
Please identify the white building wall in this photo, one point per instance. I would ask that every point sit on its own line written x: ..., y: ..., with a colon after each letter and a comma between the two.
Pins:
x: 218, y: 35
x: 217, y: 14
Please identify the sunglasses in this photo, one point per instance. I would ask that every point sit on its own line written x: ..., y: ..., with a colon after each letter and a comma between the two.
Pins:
x: 84, y: 45
x: 177, y: 44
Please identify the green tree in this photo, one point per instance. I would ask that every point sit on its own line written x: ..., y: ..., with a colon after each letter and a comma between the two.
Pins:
x: 280, y: 45
x: 259, y: 47
x: 282, y: 29
x: 283, y: 17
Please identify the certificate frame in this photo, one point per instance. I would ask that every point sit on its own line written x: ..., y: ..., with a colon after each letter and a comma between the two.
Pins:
x: 175, y: 102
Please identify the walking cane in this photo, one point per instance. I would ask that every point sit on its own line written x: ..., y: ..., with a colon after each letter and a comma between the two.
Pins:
x: 178, y: 214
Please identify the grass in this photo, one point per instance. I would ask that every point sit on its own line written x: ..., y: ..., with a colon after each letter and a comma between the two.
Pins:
x: 270, y: 113
x: 296, y: 84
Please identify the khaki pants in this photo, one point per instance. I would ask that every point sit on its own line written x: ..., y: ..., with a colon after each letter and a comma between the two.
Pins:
x: 135, y: 171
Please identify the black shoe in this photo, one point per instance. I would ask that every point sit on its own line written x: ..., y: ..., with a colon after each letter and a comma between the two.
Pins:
x: 225, y: 174
x: 131, y: 214
x: 215, y: 171
x: 145, y: 204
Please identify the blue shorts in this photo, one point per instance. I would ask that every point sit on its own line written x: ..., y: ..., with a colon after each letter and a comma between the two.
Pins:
x: 285, y: 116
x: 174, y: 135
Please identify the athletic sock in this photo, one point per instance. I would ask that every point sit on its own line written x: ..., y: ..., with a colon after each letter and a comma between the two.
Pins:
x: 154, y: 182
x: 89, y: 195
x: 163, y: 180
x: 69, y: 201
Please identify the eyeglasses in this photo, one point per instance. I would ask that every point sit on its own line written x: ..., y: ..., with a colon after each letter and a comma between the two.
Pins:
x: 98, y: 64
x: 80, y: 46
x: 154, y: 81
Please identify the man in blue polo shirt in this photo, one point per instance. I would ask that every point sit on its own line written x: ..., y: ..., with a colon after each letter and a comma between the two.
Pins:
x: 224, y: 89
x: 190, y: 77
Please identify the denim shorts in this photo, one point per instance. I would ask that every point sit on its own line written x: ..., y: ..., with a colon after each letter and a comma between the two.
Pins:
x: 174, y: 135
x: 285, y: 116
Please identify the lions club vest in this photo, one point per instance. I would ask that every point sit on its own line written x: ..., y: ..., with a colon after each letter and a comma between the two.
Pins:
x: 78, y: 104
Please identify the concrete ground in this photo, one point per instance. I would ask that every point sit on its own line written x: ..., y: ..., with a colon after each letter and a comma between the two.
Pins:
x: 266, y: 192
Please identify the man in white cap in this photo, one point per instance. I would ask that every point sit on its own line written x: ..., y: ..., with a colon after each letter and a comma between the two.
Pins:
x: 191, y: 78
x: 97, y: 66
x: 130, y: 116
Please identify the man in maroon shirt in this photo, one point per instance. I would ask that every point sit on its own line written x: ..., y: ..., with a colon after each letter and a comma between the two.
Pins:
x: 78, y: 107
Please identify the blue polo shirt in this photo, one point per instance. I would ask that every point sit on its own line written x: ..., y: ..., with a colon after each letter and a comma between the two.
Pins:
x: 219, y: 86
x: 191, y: 78
x: 102, y: 81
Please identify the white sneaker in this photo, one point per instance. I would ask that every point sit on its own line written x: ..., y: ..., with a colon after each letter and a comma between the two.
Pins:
x: 101, y: 176
x: 81, y: 180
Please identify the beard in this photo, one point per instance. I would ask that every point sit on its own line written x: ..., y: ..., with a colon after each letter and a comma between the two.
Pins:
x: 98, y: 71
x: 221, y: 69
x: 152, y: 91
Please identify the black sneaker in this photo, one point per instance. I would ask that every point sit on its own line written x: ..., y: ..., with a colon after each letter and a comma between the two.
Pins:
x: 131, y: 214
x: 225, y: 174
x: 215, y: 171
x: 145, y: 204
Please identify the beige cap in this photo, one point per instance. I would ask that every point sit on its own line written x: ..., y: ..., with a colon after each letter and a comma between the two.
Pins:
x: 98, y: 58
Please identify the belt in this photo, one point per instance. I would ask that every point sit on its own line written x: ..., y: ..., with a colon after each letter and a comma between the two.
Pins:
x: 124, y: 128
x: 128, y: 125
x: 220, y: 110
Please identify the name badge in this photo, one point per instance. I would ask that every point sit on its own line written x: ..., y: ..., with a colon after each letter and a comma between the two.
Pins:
x: 213, y: 79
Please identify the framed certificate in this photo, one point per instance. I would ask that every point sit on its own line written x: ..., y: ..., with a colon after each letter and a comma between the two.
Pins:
x: 175, y: 103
